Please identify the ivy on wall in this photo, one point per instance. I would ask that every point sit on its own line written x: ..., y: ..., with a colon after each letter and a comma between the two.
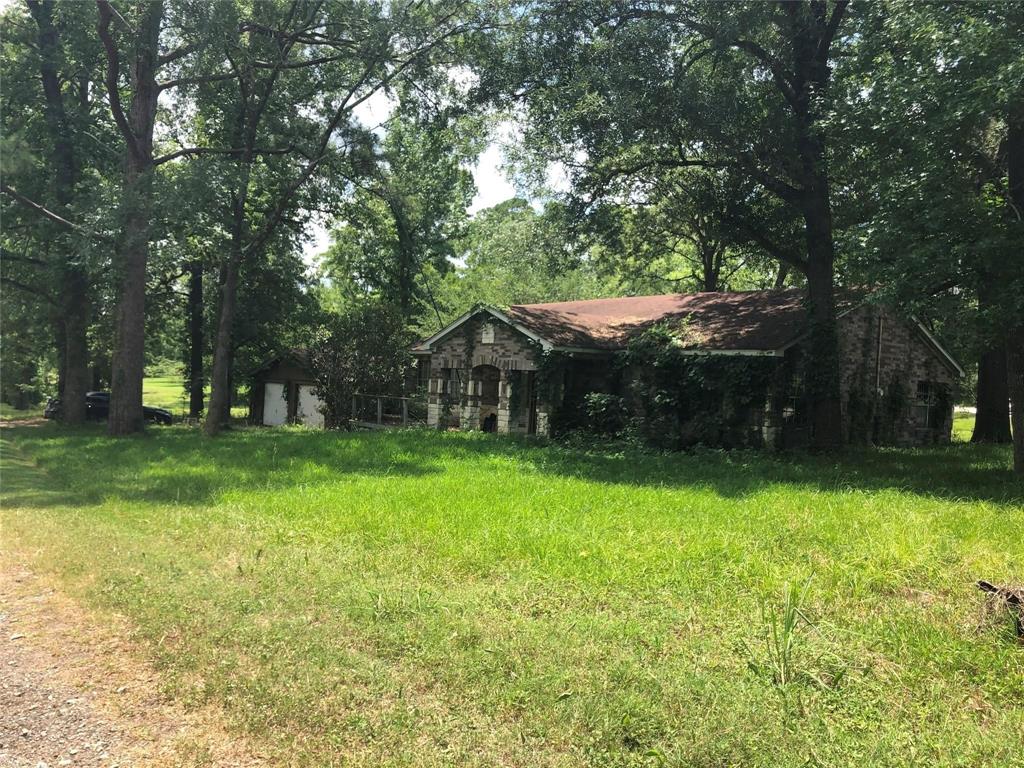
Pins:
x: 682, y: 399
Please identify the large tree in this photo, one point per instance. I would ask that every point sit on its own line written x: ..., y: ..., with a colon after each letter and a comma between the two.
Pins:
x: 402, y: 222
x: 300, y: 73
x: 52, y: 123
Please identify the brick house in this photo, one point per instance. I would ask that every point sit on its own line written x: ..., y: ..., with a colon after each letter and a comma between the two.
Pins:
x: 490, y: 368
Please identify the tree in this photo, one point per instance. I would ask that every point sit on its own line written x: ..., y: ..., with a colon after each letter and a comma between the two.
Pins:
x: 943, y: 121
x: 751, y: 93
x: 49, y: 113
x: 329, y: 59
x: 402, y: 221
x: 511, y: 254
x: 365, y: 348
x: 681, y: 230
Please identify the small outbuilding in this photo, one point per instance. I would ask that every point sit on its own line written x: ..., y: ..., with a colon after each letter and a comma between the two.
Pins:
x: 284, y: 392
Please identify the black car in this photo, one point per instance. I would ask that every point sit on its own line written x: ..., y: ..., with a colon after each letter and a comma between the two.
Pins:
x: 97, y: 407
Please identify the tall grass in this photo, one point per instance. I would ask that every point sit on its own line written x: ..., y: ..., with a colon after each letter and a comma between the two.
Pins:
x: 422, y: 598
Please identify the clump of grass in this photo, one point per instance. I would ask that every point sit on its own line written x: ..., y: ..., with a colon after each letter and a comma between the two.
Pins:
x: 780, y: 654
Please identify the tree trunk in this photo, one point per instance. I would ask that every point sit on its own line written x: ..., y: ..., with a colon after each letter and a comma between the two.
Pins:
x: 76, y: 347
x: 220, y: 396
x: 781, y: 275
x: 1014, y: 266
x: 1015, y: 364
x: 822, y: 374
x: 128, y: 364
x: 809, y: 93
x: 711, y: 266
x: 74, y: 283
x: 992, y: 422
x: 195, y: 339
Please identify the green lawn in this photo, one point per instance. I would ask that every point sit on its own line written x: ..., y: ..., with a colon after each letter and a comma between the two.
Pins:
x: 158, y: 391
x: 423, y: 598
x: 10, y: 413
x: 165, y: 392
x: 963, y: 427
x: 169, y: 392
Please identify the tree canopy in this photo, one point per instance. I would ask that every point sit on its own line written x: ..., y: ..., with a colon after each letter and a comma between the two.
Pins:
x: 165, y: 162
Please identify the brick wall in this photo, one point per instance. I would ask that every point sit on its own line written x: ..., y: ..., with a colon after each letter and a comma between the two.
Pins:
x: 883, y: 357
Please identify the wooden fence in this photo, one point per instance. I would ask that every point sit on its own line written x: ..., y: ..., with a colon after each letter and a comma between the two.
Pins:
x: 382, y: 411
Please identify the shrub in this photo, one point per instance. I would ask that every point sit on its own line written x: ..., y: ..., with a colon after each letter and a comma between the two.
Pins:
x: 605, y: 414
x: 363, y: 349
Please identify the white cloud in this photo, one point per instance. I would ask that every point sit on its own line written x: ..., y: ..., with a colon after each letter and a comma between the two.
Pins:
x: 373, y: 113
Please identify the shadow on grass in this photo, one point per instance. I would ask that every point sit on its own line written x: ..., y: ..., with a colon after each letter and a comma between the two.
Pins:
x: 179, y: 465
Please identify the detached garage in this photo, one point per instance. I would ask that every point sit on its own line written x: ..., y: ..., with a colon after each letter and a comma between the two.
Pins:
x: 283, y: 392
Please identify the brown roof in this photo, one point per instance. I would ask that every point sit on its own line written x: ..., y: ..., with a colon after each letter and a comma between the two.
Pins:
x: 748, y: 320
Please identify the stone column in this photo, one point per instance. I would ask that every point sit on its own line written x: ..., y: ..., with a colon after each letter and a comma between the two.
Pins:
x: 470, y: 414
x: 504, y: 393
x: 434, y: 395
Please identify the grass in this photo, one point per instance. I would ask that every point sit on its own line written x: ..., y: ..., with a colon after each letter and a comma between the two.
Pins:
x: 9, y: 413
x: 963, y: 427
x: 165, y: 392
x: 157, y: 391
x: 423, y: 598
x: 169, y: 392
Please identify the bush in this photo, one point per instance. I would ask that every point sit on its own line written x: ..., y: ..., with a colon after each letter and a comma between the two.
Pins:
x: 605, y: 414
x: 363, y: 349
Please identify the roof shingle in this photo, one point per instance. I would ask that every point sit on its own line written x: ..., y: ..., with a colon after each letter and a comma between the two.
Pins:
x: 747, y: 320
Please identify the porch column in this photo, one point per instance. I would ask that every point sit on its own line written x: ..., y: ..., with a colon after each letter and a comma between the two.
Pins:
x: 504, y: 393
x: 434, y: 394
x: 470, y: 414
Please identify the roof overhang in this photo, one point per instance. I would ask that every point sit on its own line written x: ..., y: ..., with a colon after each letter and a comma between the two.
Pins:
x: 734, y: 352
x: 938, y: 347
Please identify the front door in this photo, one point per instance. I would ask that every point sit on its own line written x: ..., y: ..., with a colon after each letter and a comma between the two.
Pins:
x: 309, y: 412
x: 531, y: 402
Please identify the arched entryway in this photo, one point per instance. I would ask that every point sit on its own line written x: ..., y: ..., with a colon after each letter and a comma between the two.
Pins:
x: 488, y: 384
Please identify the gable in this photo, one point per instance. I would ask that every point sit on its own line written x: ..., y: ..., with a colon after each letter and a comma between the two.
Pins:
x: 474, y: 314
x: 484, y: 339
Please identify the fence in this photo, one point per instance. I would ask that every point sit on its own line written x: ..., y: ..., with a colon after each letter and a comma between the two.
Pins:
x: 381, y: 411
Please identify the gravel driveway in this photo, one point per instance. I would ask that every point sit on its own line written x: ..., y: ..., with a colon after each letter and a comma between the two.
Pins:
x: 75, y: 691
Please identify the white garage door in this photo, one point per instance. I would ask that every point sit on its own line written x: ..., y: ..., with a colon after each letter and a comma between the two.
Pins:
x: 275, y: 407
x: 309, y: 407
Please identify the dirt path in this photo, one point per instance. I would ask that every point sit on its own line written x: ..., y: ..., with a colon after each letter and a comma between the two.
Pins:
x: 75, y: 692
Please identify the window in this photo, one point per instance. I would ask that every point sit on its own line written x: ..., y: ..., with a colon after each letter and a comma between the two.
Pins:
x: 451, y: 381
x: 791, y: 398
x: 926, y: 410
x: 487, y: 334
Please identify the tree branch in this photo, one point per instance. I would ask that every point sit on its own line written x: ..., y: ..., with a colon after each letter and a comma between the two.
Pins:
x: 113, y: 72
x: 48, y: 214
x: 195, y: 151
x: 29, y: 289
x: 779, y: 74
x: 177, y: 53
x: 830, y: 30
x: 196, y: 80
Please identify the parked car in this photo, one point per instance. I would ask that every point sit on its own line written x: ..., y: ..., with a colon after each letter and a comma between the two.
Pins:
x: 97, y: 407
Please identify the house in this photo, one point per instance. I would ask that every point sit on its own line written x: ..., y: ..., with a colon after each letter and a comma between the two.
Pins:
x: 493, y: 369
x: 284, y: 392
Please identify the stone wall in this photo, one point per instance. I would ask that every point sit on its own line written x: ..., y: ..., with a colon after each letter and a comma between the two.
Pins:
x: 457, y: 400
